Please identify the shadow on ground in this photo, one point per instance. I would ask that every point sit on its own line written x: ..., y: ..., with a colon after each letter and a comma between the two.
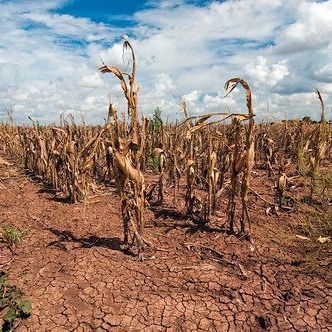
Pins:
x: 65, y: 236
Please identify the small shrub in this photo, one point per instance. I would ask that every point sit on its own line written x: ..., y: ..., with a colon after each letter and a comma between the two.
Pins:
x: 13, y: 304
x: 9, y: 235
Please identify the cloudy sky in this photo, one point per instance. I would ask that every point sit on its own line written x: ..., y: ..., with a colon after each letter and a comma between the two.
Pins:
x: 50, y: 51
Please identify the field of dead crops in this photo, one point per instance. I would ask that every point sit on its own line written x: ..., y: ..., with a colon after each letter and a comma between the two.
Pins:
x: 212, y: 223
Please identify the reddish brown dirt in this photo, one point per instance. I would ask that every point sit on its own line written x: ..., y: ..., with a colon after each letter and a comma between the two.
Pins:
x: 79, y: 279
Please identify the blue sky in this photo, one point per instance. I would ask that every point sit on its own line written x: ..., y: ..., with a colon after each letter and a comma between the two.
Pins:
x: 50, y: 52
x: 103, y: 10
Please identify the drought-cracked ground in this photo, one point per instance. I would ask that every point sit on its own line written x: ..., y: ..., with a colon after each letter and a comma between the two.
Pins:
x: 74, y: 270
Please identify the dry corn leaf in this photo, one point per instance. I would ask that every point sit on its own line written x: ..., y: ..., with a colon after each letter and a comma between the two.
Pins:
x: 324, y: 239
x: 157, y: 151
x: 302, y: 237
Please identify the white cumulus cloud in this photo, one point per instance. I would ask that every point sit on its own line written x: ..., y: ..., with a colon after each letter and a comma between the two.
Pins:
x: 49, y: 61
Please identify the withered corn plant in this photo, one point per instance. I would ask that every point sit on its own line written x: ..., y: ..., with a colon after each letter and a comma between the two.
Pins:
x: 127, y: 147
x: 206, y: 161
x: 212, y: 180
x: 320, y: 145
x: 243, y: 158
x: 303, y: 141
x: 282, y: 182
x: 159, y: 155
x: 201, y: 162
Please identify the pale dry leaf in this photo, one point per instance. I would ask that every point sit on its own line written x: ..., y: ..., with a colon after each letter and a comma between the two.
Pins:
x: 324, y: 239
x: 302, y: 237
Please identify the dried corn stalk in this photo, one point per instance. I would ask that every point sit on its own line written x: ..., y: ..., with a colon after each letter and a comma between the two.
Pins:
x: 243, y: 160
x: 127, y: 150
x: 320, y: 147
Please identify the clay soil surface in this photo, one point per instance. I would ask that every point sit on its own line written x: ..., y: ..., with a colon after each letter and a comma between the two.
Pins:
x: 74, y: 269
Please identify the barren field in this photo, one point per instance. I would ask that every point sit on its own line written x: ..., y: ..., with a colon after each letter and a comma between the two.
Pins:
x: 73, y: 267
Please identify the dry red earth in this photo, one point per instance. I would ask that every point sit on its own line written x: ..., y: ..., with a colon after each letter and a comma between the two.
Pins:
x: 78, y: 278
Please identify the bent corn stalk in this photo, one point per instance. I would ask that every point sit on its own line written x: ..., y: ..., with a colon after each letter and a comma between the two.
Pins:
x: 127, y: 152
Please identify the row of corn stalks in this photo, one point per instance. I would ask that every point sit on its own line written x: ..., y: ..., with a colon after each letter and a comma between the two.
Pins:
x: 212, y: 157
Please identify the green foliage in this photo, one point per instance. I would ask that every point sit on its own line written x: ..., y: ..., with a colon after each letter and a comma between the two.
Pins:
x: 155, y: 130
x: 286, y: 200
x: 13, y: 304
x: 154, y: 163
x: 39, y: 126
x: 10, y: 235
x: 155, y: 124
